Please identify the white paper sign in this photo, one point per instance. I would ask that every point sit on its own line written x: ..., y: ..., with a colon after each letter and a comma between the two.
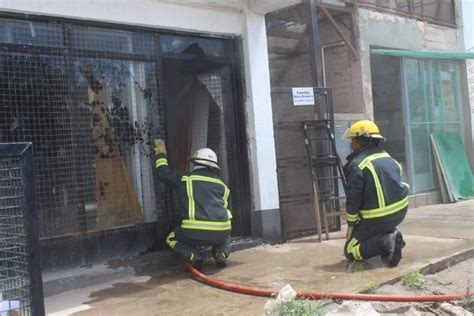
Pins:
x: 303, y: 96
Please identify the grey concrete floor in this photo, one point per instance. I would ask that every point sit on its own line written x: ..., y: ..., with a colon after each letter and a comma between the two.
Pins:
x: 433, y: 233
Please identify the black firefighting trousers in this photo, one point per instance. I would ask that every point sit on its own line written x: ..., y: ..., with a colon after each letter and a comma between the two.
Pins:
x: 367, y: 238
x: 189, y: 248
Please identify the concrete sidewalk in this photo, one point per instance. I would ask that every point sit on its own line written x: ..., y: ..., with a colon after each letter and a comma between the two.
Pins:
x: 433, y: 233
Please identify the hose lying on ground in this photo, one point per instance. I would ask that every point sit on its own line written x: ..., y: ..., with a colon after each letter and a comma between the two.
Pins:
x: 314, y: 295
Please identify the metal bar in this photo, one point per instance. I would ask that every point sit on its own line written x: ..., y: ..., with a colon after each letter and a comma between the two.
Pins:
x: 70, y: 78
x: 326, y: 178
x: 315, y: 46
x: 335, y: 7
x: 407, y: 121
x: 339, y: 31
x: 332, y: 198
x: 323, y: 57
x: 315, y: 185
x: 30, y: 222
x: 321, y: 139
x: 325, y: 219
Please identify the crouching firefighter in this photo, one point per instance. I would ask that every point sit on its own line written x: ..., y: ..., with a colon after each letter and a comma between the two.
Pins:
x: 376, y: 197
x: 203, y: 198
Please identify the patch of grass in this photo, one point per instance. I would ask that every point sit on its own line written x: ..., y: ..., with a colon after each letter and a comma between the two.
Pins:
x: 372, y: 288
x: 298, y: 307
x: 413, y: 279
x: 468, y: 303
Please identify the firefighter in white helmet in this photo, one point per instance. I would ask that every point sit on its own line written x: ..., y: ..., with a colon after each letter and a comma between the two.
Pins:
x: 204, y: 206
x: 376, y: 197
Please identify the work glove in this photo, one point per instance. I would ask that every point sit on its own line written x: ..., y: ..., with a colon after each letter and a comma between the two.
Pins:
x: 349, y: 232
x: 160, y: 147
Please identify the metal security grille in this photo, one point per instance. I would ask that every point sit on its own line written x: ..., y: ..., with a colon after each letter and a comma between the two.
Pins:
x: 20, y: 272
x: 297, y: 196
x: 88, y: 99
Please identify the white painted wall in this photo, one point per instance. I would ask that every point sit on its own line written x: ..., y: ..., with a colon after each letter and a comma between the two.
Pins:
x: 260, y: 122
x: 149, y: 13
x: 197, y: 16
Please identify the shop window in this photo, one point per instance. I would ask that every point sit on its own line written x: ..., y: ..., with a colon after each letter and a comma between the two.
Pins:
x: 113, y: 41
x: 388, y: 106
x: 31, y: 33
x: 33, y: 108
x: 193, y: 45
x: 433, y: 104
x: 116, y: 126
x: 91, y: 113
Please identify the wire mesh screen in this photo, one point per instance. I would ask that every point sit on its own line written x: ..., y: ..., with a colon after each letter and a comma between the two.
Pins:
x: 91, y: 112
x: 19, y: 287
x: 295, y: 163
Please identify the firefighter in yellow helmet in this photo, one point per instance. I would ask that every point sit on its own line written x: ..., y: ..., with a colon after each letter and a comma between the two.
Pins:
x: 376, y: 197
x: 204, y: 200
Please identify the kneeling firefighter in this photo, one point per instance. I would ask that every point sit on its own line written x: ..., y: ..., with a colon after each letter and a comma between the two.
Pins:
x: 376, y: 197
x: 203, y: 196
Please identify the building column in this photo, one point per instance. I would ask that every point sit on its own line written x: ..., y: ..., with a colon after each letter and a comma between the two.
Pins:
x: 266, y: 213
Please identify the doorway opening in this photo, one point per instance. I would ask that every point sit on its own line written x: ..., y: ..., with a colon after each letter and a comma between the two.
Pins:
x: 388, y: 106
x: 200, y: 112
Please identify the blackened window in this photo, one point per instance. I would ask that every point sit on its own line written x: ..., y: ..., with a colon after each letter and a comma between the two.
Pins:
x: 87, y: 98
x: 193, y: 45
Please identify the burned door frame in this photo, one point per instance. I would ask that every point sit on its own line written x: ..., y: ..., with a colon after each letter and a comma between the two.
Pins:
x: 86, y: 247
x: 234, y: 121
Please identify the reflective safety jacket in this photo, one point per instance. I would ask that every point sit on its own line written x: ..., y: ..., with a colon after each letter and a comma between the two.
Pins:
x: 204, y: 201
x: 375, y: 191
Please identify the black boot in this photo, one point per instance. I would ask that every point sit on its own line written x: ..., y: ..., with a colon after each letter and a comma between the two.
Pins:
x: 399, y: 241
x: 196, y: 261
x: 221, y: 260
x: 392, y: 244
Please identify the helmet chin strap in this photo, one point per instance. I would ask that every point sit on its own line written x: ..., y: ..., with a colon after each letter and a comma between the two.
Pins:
x: 197, y: 167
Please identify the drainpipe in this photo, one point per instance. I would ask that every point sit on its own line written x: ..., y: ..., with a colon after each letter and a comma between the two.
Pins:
x: 323, y: 48
x: 314, y: 45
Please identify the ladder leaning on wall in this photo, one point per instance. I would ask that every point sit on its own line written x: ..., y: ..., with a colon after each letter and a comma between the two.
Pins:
x: 324, y: 162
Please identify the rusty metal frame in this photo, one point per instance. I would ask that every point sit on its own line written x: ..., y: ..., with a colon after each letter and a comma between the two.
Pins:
x: 339, y: 31
x: 409, y: 15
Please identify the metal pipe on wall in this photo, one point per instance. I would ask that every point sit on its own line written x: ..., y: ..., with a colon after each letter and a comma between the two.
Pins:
x: 323, y: 59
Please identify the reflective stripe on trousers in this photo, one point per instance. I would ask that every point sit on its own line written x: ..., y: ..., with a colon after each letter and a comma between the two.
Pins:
x: 353, y: 247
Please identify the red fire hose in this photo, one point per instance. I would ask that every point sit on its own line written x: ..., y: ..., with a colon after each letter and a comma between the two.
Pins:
x: 314, y: 295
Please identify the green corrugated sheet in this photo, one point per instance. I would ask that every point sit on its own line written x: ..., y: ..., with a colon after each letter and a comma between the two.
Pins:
x: 455, y: 164
x: 424, y: 54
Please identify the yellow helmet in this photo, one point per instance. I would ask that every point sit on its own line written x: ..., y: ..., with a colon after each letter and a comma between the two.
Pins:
x: 364, y: 128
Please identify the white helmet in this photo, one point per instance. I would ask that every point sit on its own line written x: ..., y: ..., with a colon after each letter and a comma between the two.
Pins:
x: 205, y: 157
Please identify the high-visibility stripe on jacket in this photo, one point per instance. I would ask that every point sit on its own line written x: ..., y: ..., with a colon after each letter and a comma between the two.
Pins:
x: 374, y: 189
x: 204, y: 200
